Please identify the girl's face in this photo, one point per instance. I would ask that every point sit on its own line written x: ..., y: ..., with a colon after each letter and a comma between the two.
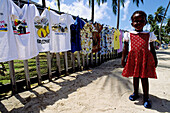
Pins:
x: 138, y: 22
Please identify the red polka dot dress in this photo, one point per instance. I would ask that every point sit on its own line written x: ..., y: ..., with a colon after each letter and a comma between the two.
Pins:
x: 140, y: 61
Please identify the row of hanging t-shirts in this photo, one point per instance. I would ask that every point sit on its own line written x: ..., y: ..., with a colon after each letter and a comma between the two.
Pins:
x: 24, y: 33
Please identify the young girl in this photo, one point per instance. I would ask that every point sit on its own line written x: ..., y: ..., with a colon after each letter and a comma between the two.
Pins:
x: 141, y: 61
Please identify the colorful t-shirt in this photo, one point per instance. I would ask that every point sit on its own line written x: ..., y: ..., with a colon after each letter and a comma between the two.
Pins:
x: 61, y: 35
x: 8, y: 48
x: 86, y: 39
x: 97, y: 37
x: 75, y: 35
x: 43, y: 30
x: 116, y: 39
x: 24, y: 30
x: 120, y: 41
x: 106, y: 41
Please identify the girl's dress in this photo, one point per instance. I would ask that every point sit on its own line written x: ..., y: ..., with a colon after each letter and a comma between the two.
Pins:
x: 140, y: 61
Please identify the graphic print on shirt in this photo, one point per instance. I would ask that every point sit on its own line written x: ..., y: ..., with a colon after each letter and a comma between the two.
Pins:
x: 3, y: 25
x: 60, y: 29
x: 20, y: 27
x: 42, y: 28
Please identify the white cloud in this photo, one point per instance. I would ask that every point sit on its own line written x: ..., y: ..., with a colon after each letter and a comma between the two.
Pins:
x: 125, y: 9
x: 39, y: 2
x: 81, y: 9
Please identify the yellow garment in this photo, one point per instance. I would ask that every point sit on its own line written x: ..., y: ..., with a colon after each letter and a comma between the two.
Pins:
x: 116, y: 39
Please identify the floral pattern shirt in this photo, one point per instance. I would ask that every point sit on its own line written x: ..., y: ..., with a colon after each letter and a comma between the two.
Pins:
x: 86, y: 39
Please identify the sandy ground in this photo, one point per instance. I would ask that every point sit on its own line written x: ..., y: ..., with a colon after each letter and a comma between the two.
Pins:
x: 99, y: 90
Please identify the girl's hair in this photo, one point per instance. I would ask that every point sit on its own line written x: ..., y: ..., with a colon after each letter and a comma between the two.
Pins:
x: 139, y: 12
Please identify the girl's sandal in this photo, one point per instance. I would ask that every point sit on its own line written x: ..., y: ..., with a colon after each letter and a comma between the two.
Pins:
x: 133, y: 97
x: 147, y: 103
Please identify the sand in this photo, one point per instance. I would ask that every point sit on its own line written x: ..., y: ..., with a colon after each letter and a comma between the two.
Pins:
x: 98, y: 90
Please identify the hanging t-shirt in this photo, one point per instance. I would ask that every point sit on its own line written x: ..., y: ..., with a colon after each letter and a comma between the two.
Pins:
x: 97, y: 37
x: 109, y: 40
x: 24, y: 31
x: 116, y: 39
x: 61, y: 37
x: 103, y: 41
x: 120, y: 41
x: 43, y: 30
x: 8, y: 48
x: 75, y: 35
x: 86, y: 39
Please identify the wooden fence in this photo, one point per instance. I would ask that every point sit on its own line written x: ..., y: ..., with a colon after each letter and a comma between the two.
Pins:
x: 83, y: 62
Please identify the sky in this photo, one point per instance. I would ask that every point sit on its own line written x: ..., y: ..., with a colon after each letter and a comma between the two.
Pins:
x: 104, y: 14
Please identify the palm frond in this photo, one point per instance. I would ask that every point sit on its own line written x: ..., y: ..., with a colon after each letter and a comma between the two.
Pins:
x: 122, y: 2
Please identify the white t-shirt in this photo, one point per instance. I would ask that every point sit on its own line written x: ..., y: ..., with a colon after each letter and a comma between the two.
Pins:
x: 152, y: 37
x: 61, y: 37
x: 43, y: 31
x: 24, y: 31
x: 8, y: 48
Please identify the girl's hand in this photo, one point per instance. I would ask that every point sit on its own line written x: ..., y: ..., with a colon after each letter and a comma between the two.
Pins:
x: 123, y: 63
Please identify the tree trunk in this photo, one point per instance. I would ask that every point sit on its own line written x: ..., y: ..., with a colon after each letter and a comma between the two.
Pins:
x: 43, y: 3
x: 162, y: 22
x: 92, y: 15
x: 118, y: 14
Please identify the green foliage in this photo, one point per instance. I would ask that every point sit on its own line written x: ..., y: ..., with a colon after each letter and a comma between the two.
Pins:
x: 155, y: 20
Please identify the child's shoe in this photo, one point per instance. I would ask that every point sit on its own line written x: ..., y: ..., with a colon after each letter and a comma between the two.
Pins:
x: 147, y: 103
x: 133, y: 97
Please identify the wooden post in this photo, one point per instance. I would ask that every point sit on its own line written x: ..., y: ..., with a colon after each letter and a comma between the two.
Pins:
x: 106, y: 56
x: 27, y: 77
x: 58, y: 63
x: 49, y: 66
x: 38, y: 70
x: 12, y: 77
x: 43, y: 3
x: 100, y: 58
x: 78, y: 60
x: 96, y: 55
x: 83, y: 60
x: 66, y: 62
x: 91, y: 59
x: 87, y: 60
x: 73, y: 61
x: 112, y: 53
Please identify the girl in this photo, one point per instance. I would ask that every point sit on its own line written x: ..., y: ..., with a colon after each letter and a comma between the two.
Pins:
x: 141, y: 61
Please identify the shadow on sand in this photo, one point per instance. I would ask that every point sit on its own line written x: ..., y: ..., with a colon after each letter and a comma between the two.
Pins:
x: 41, y: 101
x: 158, y: 104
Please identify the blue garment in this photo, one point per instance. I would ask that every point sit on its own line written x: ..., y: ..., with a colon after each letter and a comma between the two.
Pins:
x: 75, y: 35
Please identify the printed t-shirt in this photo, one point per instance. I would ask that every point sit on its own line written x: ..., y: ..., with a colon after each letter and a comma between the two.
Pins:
x: 116, y: 39
x: 8, y: 48
x: 97, y: 37
x: 43, y: 30
x: 86, y: 39
x: 61, y: 37
x: 120, y: 41
x: 24, y: 31
x: 75, y: 35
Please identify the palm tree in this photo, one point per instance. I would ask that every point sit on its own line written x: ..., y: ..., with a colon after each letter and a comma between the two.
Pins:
x: 58, y: 4
x: 162, y: 21
x: 43, y: 3
x: 91, y: 4
x: 154, y: 20
x: 116, y: 7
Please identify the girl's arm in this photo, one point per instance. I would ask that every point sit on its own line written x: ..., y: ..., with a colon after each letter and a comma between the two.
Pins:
x: 152, y: 49
x: 124, y: 54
